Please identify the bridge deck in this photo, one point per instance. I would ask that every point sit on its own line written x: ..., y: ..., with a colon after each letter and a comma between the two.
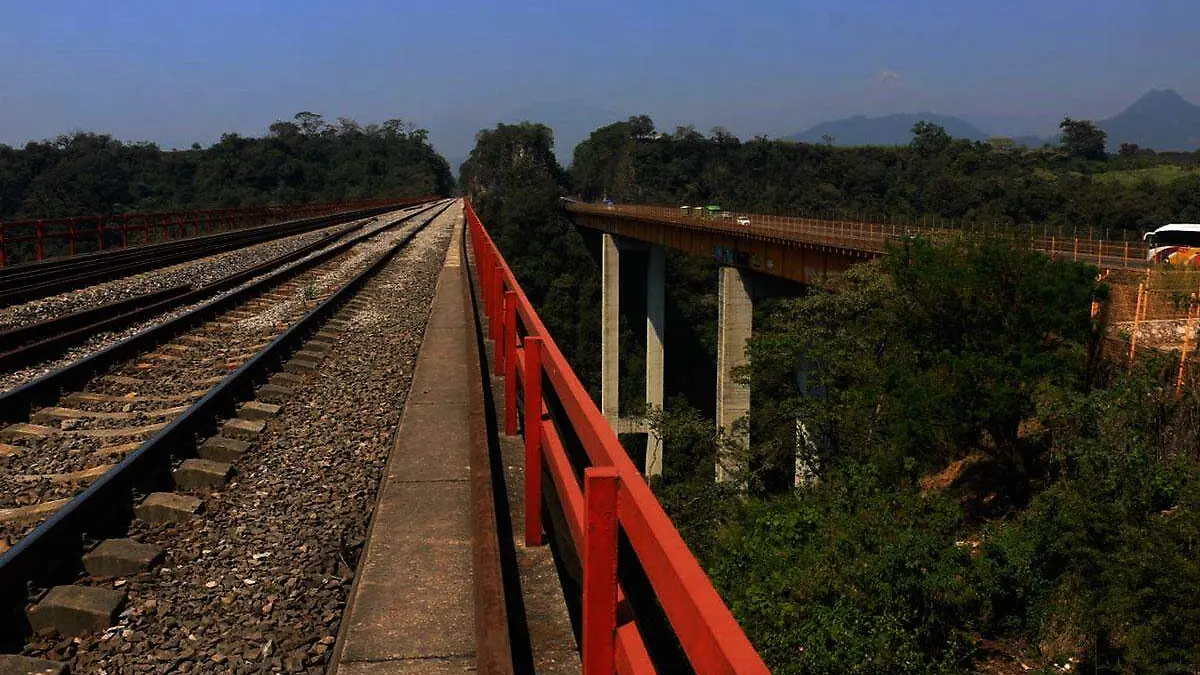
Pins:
x: 412, y: 609
x: 417, y: 602
x: 769, y: 242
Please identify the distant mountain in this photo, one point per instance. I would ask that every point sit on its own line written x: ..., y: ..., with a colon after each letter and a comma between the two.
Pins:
x: 886, y: 130
x: 1160, y: 119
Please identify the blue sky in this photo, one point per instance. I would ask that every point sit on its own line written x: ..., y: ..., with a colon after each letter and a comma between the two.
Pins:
x: 177, y: 72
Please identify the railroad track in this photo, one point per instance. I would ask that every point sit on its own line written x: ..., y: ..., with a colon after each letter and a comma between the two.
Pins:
x: 84, y: 441
x: 27, y: 345
x: 21, y: 283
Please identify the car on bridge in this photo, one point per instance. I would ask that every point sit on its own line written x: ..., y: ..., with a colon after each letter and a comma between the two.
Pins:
x: 743, y: 221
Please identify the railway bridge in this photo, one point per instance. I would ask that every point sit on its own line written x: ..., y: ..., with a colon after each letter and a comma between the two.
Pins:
x: 334, y: 439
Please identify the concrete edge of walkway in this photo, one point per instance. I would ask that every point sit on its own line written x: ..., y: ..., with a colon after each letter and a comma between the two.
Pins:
x: 493, y: 647
x: 493, y: 654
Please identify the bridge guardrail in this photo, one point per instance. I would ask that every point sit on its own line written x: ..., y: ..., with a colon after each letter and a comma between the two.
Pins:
x: 611, y: 505
x: 873, y: 236
x: 41, y: 239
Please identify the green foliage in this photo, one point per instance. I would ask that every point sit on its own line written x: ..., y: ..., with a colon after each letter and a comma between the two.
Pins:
x: 929, y: 139
x: 514, y: 183
x: 1083, y: 139
x: 1103, y: 564
x: 847, y: 578
x: 936, y: 177
x: 693, y: 439
x: 1159, y: 175
x: 978, y: 353
x: 936, y: 352
x: 301, y: 161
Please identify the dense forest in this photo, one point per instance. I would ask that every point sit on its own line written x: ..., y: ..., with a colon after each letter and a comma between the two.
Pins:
x: 982, y: 490
x: 303, y: 160
x: 935, y: 176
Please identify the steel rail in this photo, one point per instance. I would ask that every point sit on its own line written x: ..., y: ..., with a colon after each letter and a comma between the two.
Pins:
x: 47, y: 278
x: 16, y: 403
x: 105, y: 506
x: 29, y: 344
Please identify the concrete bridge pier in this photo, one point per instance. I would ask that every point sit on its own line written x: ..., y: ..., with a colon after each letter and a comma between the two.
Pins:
x: 735, y: 315
x: 610, y: 331
x: 656, y: 282
x: 610, y: 328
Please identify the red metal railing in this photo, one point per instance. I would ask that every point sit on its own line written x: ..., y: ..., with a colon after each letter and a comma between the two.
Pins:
x: 613, y: 496
x: 33, y: 240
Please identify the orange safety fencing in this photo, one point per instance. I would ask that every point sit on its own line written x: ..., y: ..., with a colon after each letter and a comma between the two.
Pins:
x: 33, y: 240
x: 1156, y: 311
x: 606, y: 503
x: 874, y: 235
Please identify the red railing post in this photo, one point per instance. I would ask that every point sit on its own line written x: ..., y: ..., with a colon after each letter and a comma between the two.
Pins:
x: 100, y: 233
x: 600, y: 493
x: 533, y: 441
x: 125, y: 231
x: 71, y: 237
x: 39, y: 244
x: 510, y: 363
x: 3, y: 260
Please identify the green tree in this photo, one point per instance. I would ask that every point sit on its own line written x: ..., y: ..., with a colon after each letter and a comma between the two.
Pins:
x: 514, y: 183
x: 936, y: 352
x: 1082, y: 138
x: 297, y: 161
x: 929, y: 139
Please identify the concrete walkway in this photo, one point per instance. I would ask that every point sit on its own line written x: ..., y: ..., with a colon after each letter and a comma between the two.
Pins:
x: 412, y: 609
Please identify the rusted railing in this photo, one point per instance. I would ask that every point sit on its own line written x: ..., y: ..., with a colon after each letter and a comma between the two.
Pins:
x: 1081, y: 245
x: 33, y: 240
x: 611, y: 499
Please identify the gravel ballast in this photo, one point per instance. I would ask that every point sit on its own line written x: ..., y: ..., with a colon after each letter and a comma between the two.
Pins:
x: 73, y: 442
x: 259, y: 581
x: 198, y: 272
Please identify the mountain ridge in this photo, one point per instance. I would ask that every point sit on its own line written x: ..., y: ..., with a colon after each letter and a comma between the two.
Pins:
x: 894, y: 129
x: 1160, y: 119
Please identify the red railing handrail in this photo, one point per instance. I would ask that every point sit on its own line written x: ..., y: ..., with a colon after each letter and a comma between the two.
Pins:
x: 187, y: 223
x: 710, y: 636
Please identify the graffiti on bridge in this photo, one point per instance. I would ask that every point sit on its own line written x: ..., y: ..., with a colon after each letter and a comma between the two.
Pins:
x: 732, y: 256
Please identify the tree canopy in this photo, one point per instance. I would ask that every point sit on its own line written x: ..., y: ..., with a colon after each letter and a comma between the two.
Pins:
x: 934, y: 177
x: 303, y: 160
x: 1083, y: 139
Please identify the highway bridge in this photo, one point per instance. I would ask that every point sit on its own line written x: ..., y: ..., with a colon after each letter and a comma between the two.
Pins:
x: 803, y: 250
x: 318, y: 440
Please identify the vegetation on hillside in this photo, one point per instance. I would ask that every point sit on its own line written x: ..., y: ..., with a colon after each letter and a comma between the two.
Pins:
x: 935, y: 176
x: 982, y: 492
x: 514, y: 183
x: 304, y: 160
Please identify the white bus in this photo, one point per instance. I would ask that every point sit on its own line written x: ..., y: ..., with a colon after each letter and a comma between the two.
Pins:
x: 1175, y: 244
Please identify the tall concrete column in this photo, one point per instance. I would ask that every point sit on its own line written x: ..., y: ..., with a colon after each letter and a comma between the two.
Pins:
x: 655, y: 324
x: 735, y: 315
x: 610, y: 327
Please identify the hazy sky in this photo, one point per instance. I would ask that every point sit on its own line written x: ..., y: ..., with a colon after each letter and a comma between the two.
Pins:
x: 177, y: 72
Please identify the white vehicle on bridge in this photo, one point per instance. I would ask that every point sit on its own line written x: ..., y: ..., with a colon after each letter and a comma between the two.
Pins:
x: 743, y: 221
x: 1175, y: 244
